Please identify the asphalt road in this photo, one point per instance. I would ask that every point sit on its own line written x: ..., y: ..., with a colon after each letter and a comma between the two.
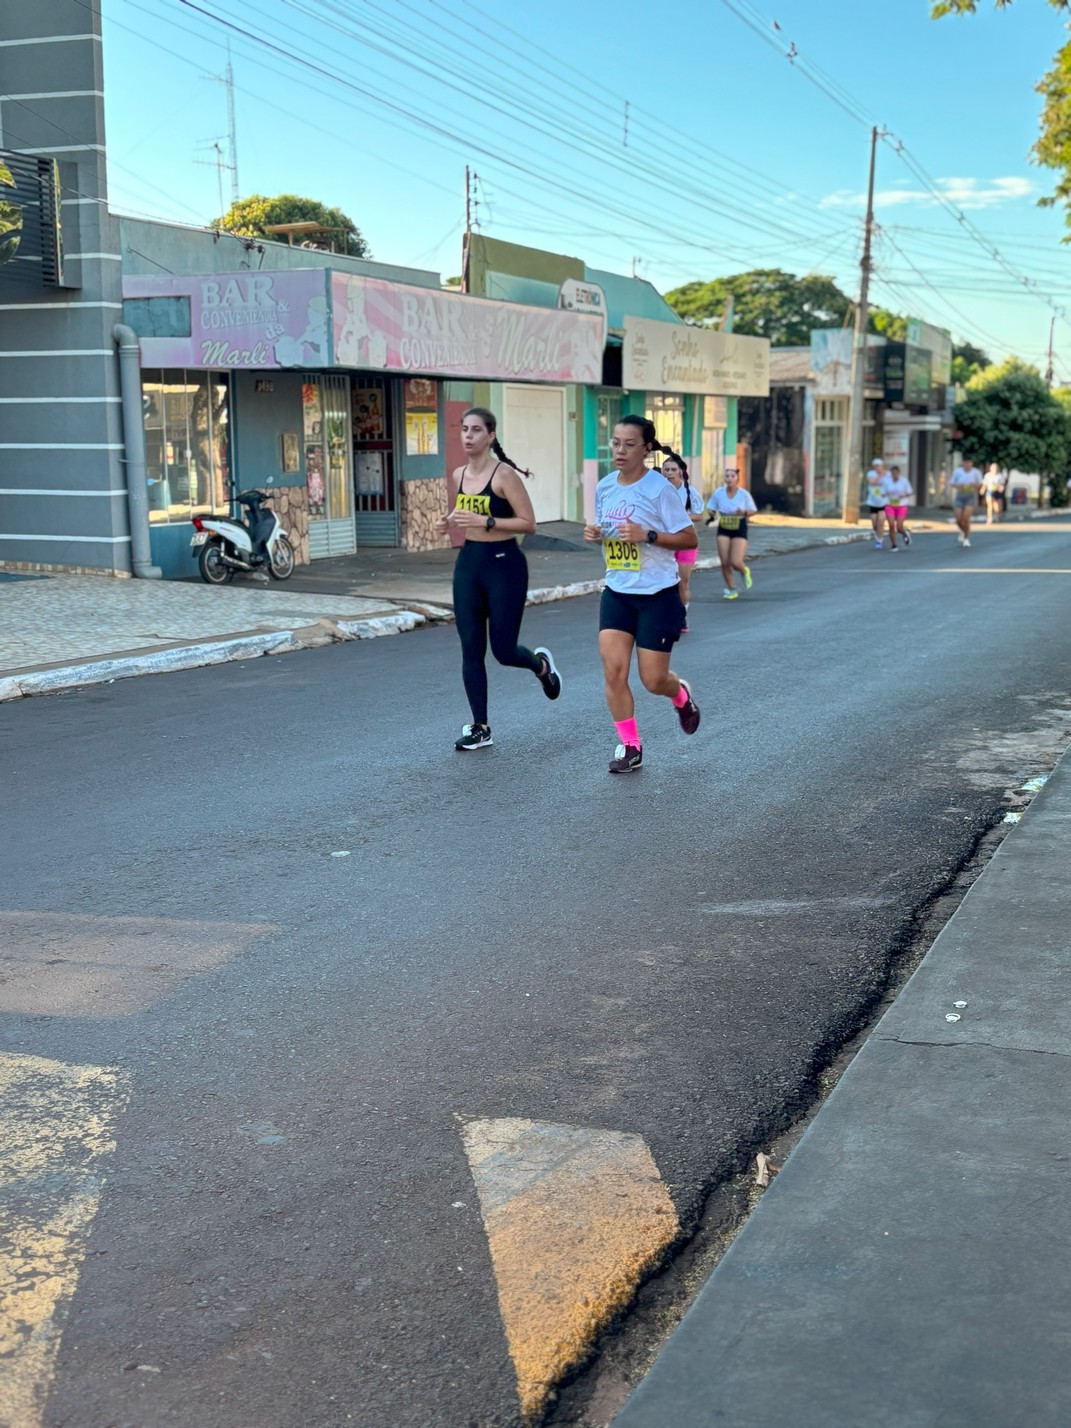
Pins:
x: 278, y: 1211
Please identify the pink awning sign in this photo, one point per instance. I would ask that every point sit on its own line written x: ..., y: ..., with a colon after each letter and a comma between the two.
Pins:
x: 392, y: 327
x: 250, y: 321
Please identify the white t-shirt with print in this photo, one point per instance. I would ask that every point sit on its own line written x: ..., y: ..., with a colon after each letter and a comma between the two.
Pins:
x: 897, y: 490
x: 967, y: 480
x: 654, y: 505
x: 733, y: 507
x: 691, y: 500
x: 875, y: 496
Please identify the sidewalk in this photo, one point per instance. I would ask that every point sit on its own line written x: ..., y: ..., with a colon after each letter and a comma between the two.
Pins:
x: 58, y: 632
x: 911, y: 1264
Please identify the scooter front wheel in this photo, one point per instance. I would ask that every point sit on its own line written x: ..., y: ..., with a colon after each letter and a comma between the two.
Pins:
x: 281, y: 565
x: 214, y: 569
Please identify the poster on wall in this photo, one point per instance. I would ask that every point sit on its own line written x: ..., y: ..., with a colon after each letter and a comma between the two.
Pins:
x: 369, y: 422
x: 314, y: 480
x: 420, y: 394
x: 370, y: 473
x: 421, y: 433
x: 421, y: 417
x: 310, y: 407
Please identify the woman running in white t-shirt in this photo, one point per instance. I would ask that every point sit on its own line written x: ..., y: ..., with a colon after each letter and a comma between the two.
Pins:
x: 675, y: 470
x: 642, y: 524
x: 732, y: 505
x: 898, y: 494
x: 965, y: 483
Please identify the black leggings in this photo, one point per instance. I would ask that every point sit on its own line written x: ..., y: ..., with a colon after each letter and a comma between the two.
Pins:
x: 490, y: 588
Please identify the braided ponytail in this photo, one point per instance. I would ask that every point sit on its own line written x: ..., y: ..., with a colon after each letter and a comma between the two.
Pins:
x: 496, y: 447
x: 675, y: 456
x: 490, y: 421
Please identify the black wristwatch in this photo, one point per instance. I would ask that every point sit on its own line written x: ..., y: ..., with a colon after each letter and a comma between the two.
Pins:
x: 652, y: 536
x: 490, y: 523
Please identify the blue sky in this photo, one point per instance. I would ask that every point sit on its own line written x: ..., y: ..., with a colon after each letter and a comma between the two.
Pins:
x: 732, y: 158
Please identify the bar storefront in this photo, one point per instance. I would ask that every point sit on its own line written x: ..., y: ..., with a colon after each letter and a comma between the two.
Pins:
x: 329, y: 388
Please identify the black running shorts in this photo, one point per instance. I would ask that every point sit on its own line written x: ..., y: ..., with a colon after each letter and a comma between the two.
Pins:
x: 654, y: 621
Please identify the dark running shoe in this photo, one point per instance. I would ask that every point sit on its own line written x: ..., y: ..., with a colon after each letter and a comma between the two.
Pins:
x: 907, y: 537
x: 627, y: 759
x: 551, y: 680
x: 473, y: 736
x: 688, y: 713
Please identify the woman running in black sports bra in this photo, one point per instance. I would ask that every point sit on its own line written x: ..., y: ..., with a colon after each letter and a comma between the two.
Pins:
x: 489, y: 503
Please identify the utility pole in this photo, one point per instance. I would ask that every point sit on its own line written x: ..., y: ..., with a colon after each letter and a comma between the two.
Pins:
x: 466, y: 242
x: 850, y: 504
x: 1048, y: 369
x: 232, y: 128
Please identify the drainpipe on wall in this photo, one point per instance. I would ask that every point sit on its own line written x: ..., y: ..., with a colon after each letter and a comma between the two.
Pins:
x: 137, y: 489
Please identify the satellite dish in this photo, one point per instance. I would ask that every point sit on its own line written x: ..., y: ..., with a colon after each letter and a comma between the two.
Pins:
x: 10, y: 216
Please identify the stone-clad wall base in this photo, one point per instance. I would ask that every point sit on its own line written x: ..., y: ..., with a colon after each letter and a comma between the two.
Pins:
x: 423, y: 503
x: 291, y: 505
x: 38, y: 567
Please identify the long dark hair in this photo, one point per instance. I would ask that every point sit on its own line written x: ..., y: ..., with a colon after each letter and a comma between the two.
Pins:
x: 679, y: 459
x: 490, y: 421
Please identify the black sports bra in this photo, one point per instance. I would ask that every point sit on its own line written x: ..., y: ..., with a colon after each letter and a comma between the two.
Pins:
x: 487, y: 502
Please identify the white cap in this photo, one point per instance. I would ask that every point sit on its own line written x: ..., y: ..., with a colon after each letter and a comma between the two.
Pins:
x: 877, y: 462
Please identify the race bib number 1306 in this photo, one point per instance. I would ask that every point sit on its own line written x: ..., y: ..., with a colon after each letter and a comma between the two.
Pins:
x: 621, y: 554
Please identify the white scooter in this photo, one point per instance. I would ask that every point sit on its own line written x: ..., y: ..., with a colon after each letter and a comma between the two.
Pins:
x: 224, y: 546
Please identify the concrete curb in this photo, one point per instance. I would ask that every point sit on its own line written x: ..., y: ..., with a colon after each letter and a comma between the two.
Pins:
x: 105, y: 671
x: 18, y: 686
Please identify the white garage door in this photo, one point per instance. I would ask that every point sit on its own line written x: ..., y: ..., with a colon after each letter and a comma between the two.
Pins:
x: 533, y: 433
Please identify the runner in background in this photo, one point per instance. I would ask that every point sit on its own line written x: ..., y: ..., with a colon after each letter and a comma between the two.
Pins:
x: 642, y: 524
x: 731, y: 505
x: 898, y: 495
x: 995, y: 487
x: 965, y: 483
x: 489, y: 503
x: 675, y: 470
x: 875, y: 500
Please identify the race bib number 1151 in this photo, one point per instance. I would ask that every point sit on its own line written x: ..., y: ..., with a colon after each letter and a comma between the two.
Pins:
x: 478, y: 505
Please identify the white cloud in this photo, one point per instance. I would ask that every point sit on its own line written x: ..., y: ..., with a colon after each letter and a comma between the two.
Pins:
x: 965, y: 193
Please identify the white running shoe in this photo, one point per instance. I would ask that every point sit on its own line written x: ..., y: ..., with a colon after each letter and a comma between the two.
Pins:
x: 966, y: 544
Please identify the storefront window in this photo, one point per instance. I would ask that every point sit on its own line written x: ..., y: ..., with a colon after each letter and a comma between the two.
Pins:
x: 187, y: 444
x: 609, y: 414
x: 715, y: 417
x: 830, y: 419
x: 667, y: 413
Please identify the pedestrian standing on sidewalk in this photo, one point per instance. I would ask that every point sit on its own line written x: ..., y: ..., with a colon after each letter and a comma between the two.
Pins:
x: 489, y: 503
x: 642, y: 524
x: 898, y: 495
x: 732, y: 505
x: 965, y: 483
x: 675, y: 470
x: 875, y: 500
x: 995, y: 484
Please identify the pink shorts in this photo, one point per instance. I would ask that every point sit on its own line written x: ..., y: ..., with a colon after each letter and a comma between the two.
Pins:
x: 896, y: 513
x: 687, y: 557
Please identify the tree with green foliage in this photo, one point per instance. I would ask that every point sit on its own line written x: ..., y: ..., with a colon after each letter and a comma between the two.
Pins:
x: 250, y: 217
x: 967, y: 362
x: 890, y: 325
x: 1053, y: 148
x: 767, y: 302
x: 1058, y: 484
x: 1009, y: 416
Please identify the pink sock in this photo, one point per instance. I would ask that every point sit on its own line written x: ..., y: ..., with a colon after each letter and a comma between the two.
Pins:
x: 628, y: 733
x: 680, y: 699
